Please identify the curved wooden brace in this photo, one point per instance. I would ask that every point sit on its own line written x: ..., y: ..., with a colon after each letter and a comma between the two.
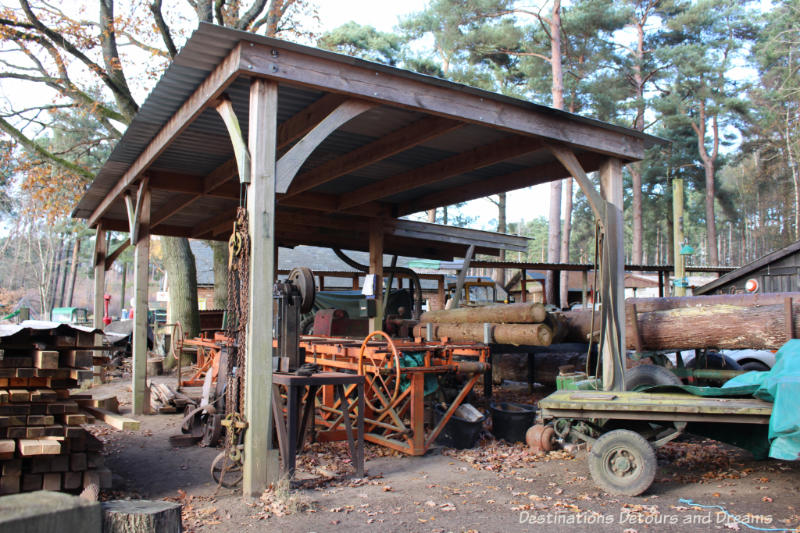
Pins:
x: 571, y: 163
x: 225, y: 109
x: 288, y: 165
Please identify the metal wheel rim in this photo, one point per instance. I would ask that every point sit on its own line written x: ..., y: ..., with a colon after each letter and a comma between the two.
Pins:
x: 303, y: 279
x: 622, y: 463
x: 369, y: 384
x: 233, y: 468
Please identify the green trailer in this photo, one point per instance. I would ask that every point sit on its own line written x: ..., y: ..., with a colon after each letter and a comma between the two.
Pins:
x: 623, y: 429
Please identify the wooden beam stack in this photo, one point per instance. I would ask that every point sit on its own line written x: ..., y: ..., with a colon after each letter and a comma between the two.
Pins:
x: 43, y: 444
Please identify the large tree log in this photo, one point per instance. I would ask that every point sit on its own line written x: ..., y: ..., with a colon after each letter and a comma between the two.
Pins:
x: 720, y: 321
x: 518, y: 313
x: 515, y: 334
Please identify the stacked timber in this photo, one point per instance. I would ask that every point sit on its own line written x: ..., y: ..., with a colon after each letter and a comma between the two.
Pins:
x: 43, y: 444
x: 725, y: 322
x: 516, y: 324
x: 166, y: 400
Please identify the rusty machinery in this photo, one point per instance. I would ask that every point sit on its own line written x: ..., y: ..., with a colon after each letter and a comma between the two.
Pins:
x: 405, y: 378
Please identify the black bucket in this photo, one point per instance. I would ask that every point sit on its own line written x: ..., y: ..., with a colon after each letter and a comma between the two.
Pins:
x: 510, y: 421
x: 458, y: 433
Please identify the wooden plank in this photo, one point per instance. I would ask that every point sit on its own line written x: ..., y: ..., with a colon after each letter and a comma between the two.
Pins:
x: 141, y: 278
x: 19, y: 395
x: 51, y: 481
x: 287, y: 166
x: 480, y: 157
x: 109, y: 402
x: 438, y: 98
x: 216, y: 82
x: 73, y: 419
x: 261, y: 465
x: 114, y: 420
x: 99, y: 276
x: 7, y: 447
x: 77, y: 358
x: 398, y: 141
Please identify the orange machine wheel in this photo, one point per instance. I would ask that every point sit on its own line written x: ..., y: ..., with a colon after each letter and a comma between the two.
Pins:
x: 379, y: 383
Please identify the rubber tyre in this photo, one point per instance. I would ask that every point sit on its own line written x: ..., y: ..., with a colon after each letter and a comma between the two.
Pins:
x: 623, y: 449
x: 755, y: 365
x: 648, y: 375
x: 716, y: 361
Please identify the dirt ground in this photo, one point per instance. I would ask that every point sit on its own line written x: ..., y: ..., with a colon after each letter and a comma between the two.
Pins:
x: 495, y: 487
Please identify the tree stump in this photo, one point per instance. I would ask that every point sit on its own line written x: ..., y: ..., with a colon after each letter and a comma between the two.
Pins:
x: 141, y: 516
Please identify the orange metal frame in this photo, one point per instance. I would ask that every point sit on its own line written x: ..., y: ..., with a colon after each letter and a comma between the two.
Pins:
x: 401, y: 424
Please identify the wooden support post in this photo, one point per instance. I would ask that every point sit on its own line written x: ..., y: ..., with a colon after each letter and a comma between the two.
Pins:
x: 100, y: 252
x: 440, y: 291
x: 355, y: 282
x: 523, y: 284
x: 613, y: 276
x: 376, y: 268
x: 584, y: 286
x: 99, y: 275
x: 660, y: 283
x: 141, y: 397
x: 260, y: 458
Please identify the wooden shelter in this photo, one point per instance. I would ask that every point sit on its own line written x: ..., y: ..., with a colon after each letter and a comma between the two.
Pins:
x: 336, y: 150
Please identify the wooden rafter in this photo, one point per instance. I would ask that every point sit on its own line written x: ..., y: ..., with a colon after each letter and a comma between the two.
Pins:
x: 398, y: 141
x: 567, y: 158
x: 479, y: 157
x: 508, y: 182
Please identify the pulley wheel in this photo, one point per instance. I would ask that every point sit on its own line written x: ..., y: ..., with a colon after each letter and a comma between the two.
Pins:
x: 226, y: 471
x: 303, y: 279
x: 540, y: 438
x: 213, y: 430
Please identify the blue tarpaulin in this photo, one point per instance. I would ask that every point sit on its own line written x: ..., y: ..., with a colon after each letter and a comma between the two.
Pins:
x: 781, y: 386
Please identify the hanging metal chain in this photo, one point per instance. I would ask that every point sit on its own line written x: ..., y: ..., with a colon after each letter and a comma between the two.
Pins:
x: 238, y: 292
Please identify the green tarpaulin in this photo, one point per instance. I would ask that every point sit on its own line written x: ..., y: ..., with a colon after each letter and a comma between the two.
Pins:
x: 781, y: 386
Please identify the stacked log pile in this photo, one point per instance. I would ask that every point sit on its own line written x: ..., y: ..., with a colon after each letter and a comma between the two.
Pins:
x: 166, y: 400
x: 517, y: 324
x: 43, y: 444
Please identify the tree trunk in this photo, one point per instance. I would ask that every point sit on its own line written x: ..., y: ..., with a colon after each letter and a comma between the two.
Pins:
x: 565, y: 236
x: 182, y: 273
x: 220, y: 250
x: 514, y: 366
x: 73, y: 270
x: 500, y: 275
x: 638, y: 228
x: 141, y: 516
x: 520, y: 313
x: 711, y: 224
x: 514, y: 334
x: 732, y: 322
x: 557, y: 91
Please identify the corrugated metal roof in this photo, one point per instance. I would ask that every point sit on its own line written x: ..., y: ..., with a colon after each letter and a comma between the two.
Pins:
x: 204, y: 145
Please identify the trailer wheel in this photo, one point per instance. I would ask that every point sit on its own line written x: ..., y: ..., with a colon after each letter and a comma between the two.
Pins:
x: 649, y: 375
x: 623, y: 462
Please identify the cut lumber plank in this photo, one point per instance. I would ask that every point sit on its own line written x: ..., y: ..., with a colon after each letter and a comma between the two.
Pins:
x: 7, y: 447
x: 34, y: 432
x: 77, y: 358
x: 19, y: 395
x: 9, y: 484
x: 31, y: 482
x: 59, y: 463
x: 51, y: 481
x: 30, y: 447
x: 72, y: 480
x: 113, y: 419
x: 45, y: 358
x: 80, y: 374
x: 11, y: 467
x: 74, y: 419
x: 65, y: 341
x: 40, y: 420
x: 77, y: 462
x: 109, y: 402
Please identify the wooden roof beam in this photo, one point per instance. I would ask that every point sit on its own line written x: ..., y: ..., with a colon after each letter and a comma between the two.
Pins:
x: 456, y: 102
x: 398, y: 141
x: 213, y: 86
x: 482, y: 156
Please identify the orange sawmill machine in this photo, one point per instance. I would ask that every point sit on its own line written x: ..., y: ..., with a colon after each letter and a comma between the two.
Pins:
x: 412, y: 386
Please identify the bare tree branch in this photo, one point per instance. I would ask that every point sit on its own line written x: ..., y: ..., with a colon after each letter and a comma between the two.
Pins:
x: 163, y: 28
